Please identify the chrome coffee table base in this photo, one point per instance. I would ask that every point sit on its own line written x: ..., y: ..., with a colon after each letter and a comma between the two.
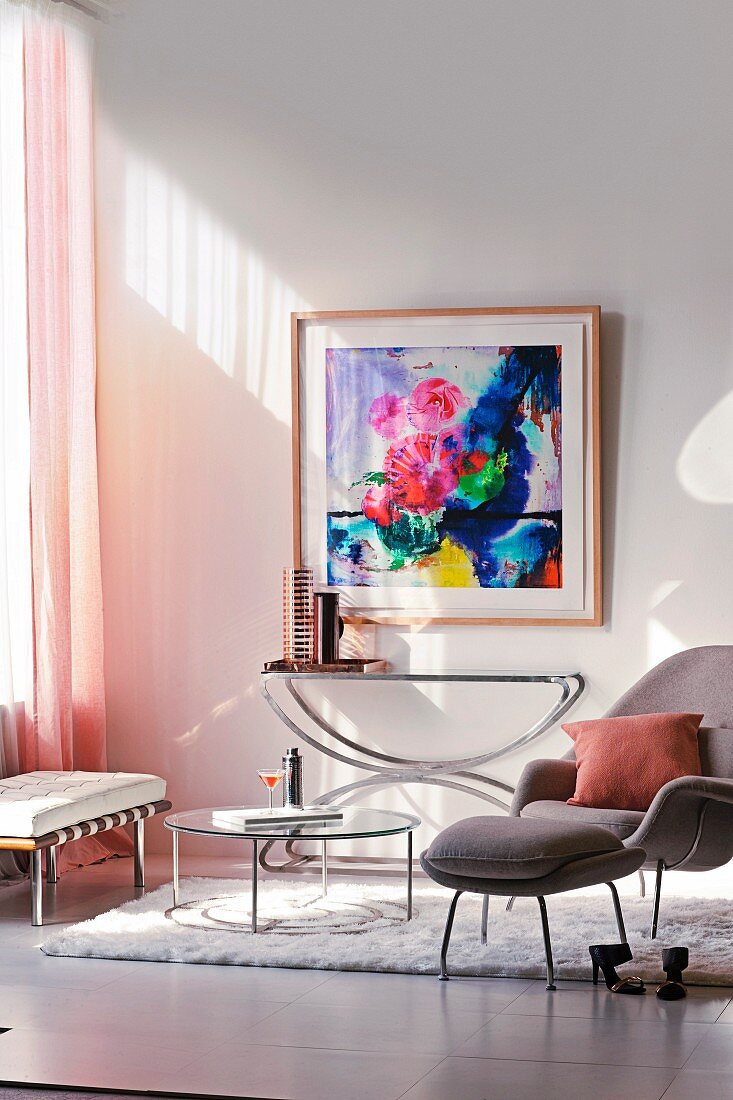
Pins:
x: 357, y: 823
x: 257, y: 861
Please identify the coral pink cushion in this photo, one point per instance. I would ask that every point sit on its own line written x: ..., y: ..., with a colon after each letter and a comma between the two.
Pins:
x: 623, y: 762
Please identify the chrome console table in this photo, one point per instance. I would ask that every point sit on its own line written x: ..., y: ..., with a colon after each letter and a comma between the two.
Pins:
x: 385, y: 769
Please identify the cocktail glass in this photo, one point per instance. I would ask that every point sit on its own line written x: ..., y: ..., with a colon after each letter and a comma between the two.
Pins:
x: 271, y: 777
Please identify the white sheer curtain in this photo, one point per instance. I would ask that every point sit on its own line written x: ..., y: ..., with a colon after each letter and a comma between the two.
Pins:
x: 15, y: 566
x: 52, y: 705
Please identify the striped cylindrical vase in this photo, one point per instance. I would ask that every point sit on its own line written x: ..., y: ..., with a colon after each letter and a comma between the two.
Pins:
x: 297, y: 614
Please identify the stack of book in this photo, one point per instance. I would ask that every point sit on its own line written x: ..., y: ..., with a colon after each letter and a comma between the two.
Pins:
x: 256, y: 818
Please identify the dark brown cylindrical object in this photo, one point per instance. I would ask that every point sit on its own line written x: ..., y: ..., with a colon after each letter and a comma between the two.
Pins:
x: 326, y: 627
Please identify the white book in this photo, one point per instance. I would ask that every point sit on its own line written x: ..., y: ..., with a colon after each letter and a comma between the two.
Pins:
x: 255, y: 817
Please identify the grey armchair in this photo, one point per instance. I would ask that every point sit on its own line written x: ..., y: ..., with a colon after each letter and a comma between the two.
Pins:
x: 689, y: 825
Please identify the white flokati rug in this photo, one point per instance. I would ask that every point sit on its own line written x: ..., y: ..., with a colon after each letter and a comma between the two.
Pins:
x: 361, y: 926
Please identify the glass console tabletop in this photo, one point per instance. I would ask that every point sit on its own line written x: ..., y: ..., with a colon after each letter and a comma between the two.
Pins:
x: 357, y: 823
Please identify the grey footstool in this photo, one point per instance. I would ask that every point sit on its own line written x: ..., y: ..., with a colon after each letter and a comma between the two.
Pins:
x: 528, y: 858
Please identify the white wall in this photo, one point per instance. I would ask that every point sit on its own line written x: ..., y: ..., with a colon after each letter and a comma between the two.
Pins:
x: 255, y: 158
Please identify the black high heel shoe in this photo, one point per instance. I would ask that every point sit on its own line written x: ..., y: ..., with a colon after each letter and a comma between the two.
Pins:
x: 674, y: 961
x: 607, y: 956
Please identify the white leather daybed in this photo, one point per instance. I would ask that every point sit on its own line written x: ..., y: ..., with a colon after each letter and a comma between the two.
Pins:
x: 41, y: 810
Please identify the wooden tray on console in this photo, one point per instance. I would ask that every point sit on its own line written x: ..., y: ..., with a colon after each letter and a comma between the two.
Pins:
x: 348, y: 665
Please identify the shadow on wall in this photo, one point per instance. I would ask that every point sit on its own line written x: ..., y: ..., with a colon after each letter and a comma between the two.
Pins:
x: 613, y: 338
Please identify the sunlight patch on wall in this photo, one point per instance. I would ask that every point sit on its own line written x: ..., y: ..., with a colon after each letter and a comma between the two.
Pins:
x: 662, y: 592
x: 661, y: 643
x: 705, y: 464
x: 216, y: 291
x: 427, y: 652
x: 188, y: 264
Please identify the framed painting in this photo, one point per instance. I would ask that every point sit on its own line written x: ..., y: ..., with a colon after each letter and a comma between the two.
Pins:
x: 446, y: 463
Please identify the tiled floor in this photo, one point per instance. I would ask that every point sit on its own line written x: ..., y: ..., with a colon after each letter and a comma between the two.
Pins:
x: 316, y: 1035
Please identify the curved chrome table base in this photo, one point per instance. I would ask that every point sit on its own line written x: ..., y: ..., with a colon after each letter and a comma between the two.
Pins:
x: 404, y: 769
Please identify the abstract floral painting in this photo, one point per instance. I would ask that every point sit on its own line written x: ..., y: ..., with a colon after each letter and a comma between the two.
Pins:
x: 444, y: 467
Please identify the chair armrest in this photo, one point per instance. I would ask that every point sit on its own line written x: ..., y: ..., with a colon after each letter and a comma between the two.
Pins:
x: 671, y: 823
x: 704, y: 786
x: 544, y: 779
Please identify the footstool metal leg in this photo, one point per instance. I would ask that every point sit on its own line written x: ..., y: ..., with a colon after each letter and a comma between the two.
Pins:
x: 485, y: 919
x: 446, y: 935
x: 642, y: 884
x: 548, y: 944
x: 52, y: 875
x: 139, y: 854
x: 36, y: 889
x: 657, y: 897
x: 617, y: 910
x: 510, y: 904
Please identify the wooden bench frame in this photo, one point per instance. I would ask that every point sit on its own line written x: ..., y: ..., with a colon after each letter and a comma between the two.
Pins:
x: 49, y: 843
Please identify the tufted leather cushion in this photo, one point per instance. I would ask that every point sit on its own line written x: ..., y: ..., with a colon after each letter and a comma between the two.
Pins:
x: 515, y: 848
x: 37, y: 803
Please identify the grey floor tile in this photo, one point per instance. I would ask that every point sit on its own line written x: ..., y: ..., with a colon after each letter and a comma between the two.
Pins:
x: 166, y: 1005
x: 699, y: 1085
x: 57, y: 1094
x: 412, y: 992
x: 715, y: 1052
x: 727, y: 1016
x: 566, y: 1039
x: 189, y: 981
x: 194, y: 1026
x: 288, y: 1073
x: 88, y: 1061
x: 34, y: 968
x: 366, y: 1028
x: 597, y: 1002
x: 484, y: 1079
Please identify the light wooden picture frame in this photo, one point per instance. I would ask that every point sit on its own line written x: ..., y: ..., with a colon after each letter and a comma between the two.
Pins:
x: 446, y: 463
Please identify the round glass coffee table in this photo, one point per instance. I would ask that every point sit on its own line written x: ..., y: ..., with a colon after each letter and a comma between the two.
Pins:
x: 356, y: 823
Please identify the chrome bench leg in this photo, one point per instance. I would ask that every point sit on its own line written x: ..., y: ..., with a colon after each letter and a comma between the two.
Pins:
x: 446, y: 936
x: 52, y: 874
x: 139, y: 854
x: 36, y: 889
x: 485, y: 919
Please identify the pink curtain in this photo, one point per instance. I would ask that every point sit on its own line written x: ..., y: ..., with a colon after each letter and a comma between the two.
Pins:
x: 67, y: 727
